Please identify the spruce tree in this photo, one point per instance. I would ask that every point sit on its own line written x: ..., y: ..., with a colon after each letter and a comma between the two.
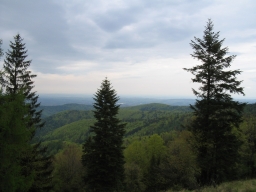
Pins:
x: 14, y: 139
x: 217, y: 115
x: 103, y: 152
x: 17, y: 78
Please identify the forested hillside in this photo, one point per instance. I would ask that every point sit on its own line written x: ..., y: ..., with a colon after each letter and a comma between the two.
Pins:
x: 143, y: 120
x: 152, y: 130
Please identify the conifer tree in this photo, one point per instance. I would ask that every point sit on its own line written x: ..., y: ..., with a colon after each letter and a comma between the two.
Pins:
x: 17, y: 78
x: 217, y: 115
x: 103, y: 152
x: 13, y: 143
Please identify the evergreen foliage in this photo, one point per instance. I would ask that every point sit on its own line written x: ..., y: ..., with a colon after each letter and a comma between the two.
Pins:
x: 217, y: 115
x: 17, y: 78
x: 103, y: 152
x: 14, y: 139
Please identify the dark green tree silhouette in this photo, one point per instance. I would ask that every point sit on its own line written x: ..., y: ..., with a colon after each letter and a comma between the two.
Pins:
x: 14, y: 139
x: 18, y: 78
x: 103, y: 152
x: 217, y: 115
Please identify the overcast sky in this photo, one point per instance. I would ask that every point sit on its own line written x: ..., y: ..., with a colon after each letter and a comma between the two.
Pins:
x: 140, y: 45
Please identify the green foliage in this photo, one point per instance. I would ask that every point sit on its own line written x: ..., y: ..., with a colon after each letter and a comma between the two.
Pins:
x: 234, y: 186
x: 68, y: 171
x: 145, y: 155
x: 250, y: 109
x: 247, y: 164
x: 142, y: 151
x: 61, y: 119
x: 14, y: 139
x: 75, y: 132
x: 18, y: 79
x: 216, y: 114
x: 134, y: 178
x: 180, y: 167
x: 103, y: 151
x: 73, y: 125
x: 42, y: 164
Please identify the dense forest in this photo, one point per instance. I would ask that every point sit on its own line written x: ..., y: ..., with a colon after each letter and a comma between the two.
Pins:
x: 151, y: 147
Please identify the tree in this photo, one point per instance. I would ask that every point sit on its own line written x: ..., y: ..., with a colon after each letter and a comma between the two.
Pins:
x: 217, y: 115
x: 179, y: 167
x: 146, y: 155
x: 103, y: 152
x: 14, y: 139
x: 17, y: 78
x: 68, y: 170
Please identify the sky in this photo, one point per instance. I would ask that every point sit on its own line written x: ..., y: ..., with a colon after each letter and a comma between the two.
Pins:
x: 141, y: 46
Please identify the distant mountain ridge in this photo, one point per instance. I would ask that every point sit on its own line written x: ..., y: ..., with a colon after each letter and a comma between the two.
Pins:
x: 51, y: 110
x: 124, y: 101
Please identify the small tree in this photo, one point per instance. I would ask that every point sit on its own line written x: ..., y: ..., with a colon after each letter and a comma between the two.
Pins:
x: 103, y: 151
x: 217, y: 115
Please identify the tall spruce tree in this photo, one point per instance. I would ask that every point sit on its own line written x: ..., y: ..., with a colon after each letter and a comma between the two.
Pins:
x: 217, y: 115
x: 17, y: 78
x: 103, y: 152
x: 14, y: 139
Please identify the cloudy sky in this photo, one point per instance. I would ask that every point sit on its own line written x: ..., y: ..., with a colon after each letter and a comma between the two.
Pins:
x: 140, y: 45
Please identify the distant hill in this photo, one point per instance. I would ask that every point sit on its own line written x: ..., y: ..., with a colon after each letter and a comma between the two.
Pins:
x: 54, y: 100
x: 161, y: 107
x: 51, y: 110
x: 142, y: 120
x: 63, y: 118
x: 57, y: 116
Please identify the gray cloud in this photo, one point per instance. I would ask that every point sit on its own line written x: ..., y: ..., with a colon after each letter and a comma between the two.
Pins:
x: 62, y: 33
x: 114, y: 20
